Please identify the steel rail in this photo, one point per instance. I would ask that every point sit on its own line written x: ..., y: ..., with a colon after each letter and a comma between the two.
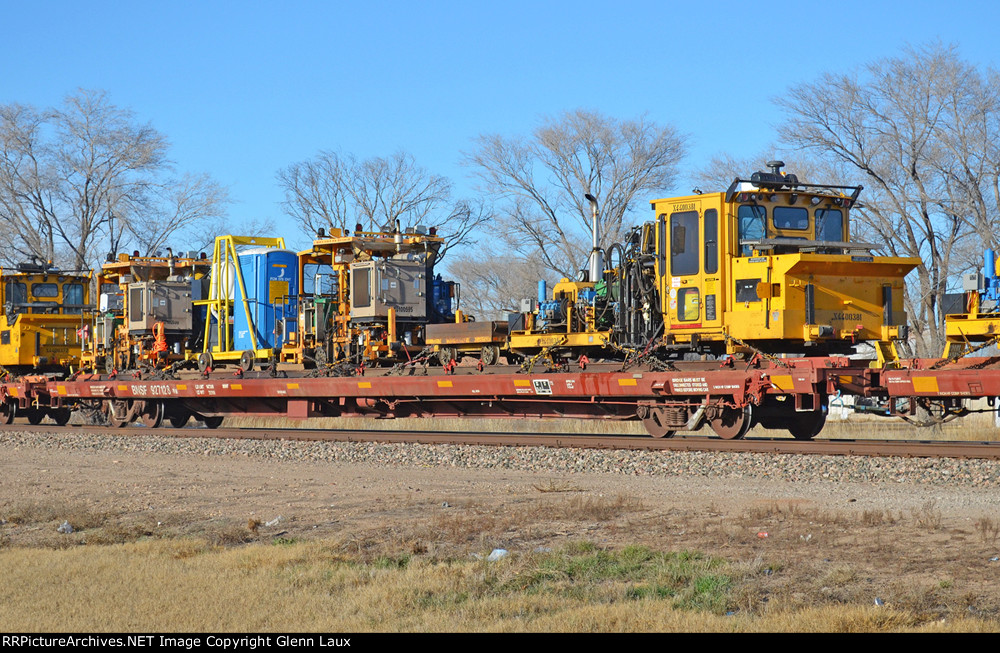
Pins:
x: 830, y: 447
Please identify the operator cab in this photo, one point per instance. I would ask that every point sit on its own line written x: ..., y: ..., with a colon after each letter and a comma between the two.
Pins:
x: 39, y: 288
x: 778, y: 214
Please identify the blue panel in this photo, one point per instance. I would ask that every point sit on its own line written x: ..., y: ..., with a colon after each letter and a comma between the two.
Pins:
x: 271, y: 280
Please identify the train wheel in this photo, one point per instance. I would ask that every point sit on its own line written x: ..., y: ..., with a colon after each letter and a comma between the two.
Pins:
x: 7, y: 413
x: 152, y: 416
x: 109, y: 364
x: 179, y: 421
x: 205, y: 361
x: 806, y: 426
x: 35, y: 416
x: 247, y: 360
x: 60, y: 416
x: 654, y: 419
x: 447, y: 354
x: 120, y: 413
x: 732, y: 423
x: 489, y: 355
x: 212, y: 422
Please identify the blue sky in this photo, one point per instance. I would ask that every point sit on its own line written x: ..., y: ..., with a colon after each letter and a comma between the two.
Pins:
x: 245, y: 88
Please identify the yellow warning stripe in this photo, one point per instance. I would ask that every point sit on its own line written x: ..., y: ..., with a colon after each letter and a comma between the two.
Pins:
x: 627, y: 382
x: 782, y: 382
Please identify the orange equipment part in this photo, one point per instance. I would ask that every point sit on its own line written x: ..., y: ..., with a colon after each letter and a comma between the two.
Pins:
x: 160, y: 337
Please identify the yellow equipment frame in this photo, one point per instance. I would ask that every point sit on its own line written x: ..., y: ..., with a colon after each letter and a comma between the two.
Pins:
x: 224, y: 263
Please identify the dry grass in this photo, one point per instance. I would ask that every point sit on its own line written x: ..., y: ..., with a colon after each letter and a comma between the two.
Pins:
x: 34, y: 512
x: 580, y: 561
x: 929, y: 516
x: 43, y: 519
x: 877, y: 518
x: 988, y: 529
x: 189, y: 585
x: 558, y: 486
x: 431, y: 574
x: 473, y: 525
x: 585, y: 508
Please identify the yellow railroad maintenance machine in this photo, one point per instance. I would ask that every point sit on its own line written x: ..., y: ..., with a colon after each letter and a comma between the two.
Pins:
x: 978, y: 326
x: 767, y: 267
x: 46, y: 313
x: 145, y: 316
x: 368, y: 297
x: 770, y: 265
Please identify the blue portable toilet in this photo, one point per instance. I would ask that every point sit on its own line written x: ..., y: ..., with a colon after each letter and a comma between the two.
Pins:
x: 271, y: 280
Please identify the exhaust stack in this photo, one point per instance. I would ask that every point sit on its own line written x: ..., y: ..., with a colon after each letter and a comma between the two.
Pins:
x: 596, y: 255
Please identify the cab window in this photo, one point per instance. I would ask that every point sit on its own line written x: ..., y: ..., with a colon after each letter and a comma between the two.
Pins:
x: 318, y: 279
x: 790, y: 217
x: 16, y: 296
x: 711, y: 241
x: 688, y: 304
x: 44, y: 290
x: 73, y: 298
x: 684, y: 243
x: 829, y: 225
x: 661, y: 245
x: 751, y: 225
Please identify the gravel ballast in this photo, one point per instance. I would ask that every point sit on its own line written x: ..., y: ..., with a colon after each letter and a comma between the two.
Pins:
x: 789, y: 468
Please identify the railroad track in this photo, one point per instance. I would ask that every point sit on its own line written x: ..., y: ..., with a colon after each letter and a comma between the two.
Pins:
x: 829, y: 447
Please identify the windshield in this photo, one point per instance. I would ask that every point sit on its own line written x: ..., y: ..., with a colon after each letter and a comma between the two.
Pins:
x: 751, y: 225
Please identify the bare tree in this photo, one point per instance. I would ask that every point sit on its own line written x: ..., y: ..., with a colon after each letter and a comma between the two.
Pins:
x: 338, y: 191
x: 186, y: 205
x: 317, y: 194
x: 27, y: 185
x: 920, y: 131
x: 541, y: 181
x: 87, y: 170
x: 494, y: 285
x: 105, y: 163
x: 463, y: 222
x: 385, y: 190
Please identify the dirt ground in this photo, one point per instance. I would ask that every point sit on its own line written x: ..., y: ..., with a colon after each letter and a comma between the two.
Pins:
x: 929, y: 549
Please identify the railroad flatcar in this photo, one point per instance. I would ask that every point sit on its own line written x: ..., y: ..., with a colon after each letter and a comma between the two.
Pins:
x: 46, y: 314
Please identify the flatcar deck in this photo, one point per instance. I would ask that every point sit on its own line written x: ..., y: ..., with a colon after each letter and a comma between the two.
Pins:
x: 726, y: 395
